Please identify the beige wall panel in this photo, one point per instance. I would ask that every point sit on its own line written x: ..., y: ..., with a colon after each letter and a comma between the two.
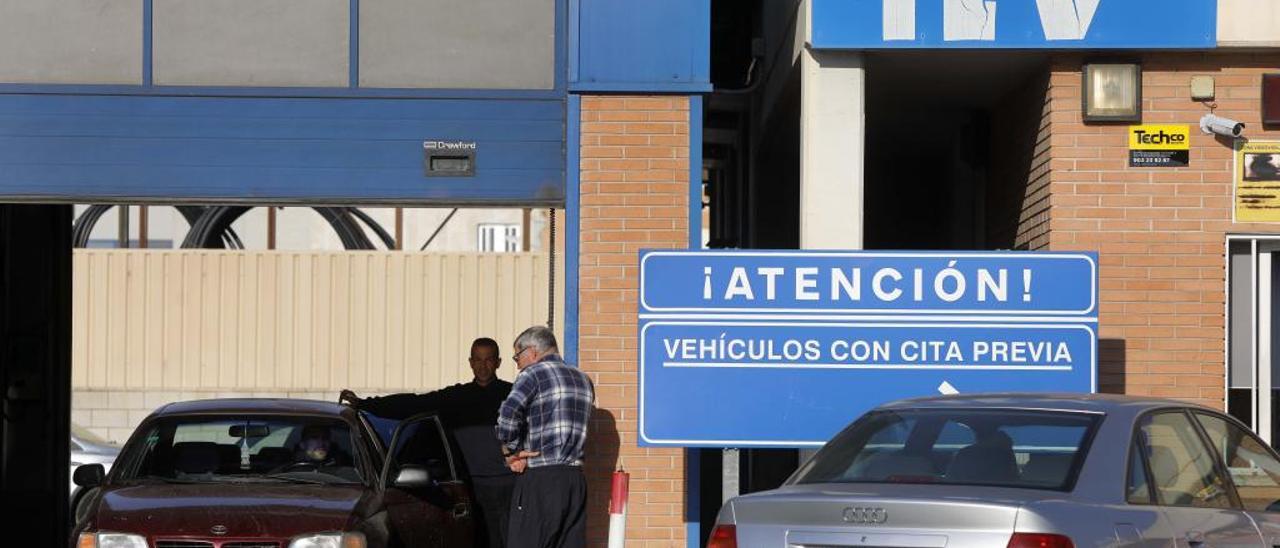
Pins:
x: 228, y: 341
x: 71, y: 41
x: 210, y: 305
x: 135, y: 322
x: 394, y: 331
x: 80, y: 321
x: 321, y: 331
x: 377, y: 330
x: 153, y: 322
x: 178, y: 320
x: 340, y: 349
x: 247, y: 342
x: 251, y: 42
x: 171, y: 337
x: 117, y: 313
x: 1248, y: 23
x: 496, y: 44
x: 414, y: 324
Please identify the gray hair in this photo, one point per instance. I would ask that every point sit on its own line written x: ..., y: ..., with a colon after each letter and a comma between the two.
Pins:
x: 539, y: 338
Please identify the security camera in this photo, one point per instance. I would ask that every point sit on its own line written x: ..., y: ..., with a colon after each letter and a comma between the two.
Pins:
x: 1218, y: 125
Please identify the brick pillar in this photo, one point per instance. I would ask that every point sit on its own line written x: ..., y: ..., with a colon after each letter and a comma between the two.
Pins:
x: 635, y: 189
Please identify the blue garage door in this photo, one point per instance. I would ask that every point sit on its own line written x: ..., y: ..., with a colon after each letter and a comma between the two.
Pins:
x: 94, y: 148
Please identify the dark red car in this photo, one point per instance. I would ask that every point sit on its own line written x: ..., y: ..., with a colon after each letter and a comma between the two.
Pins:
x: 276, y: 473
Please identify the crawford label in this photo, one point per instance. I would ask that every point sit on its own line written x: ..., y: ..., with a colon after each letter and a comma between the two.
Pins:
x: 1152, y: 145
x: 784, y: 349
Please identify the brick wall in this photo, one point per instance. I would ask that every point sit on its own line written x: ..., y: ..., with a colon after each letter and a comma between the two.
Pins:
x: 635, y: 183
x: 1160, y: 232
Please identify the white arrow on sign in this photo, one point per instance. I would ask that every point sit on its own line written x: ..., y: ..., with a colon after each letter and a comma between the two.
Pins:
x: 946, y: 389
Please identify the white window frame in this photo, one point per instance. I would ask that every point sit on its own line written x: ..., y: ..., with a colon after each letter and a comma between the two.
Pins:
x: 506, y: 234
x: 1262, y: 249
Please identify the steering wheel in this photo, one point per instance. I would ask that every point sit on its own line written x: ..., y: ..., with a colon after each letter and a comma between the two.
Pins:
x: 296, y: 465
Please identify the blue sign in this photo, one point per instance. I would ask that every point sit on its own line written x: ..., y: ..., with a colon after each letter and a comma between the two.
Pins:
x: 783, y: 349
x: 1022, y: 24
x: 867, y: 282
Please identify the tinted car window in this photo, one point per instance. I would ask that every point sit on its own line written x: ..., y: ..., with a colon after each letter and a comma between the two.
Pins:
x: 1254, y: 471
x: 421, y: 443
x: 1182, y: 468
x: 252, y: 449
x: 1138, y: 490
x: 964, y: 447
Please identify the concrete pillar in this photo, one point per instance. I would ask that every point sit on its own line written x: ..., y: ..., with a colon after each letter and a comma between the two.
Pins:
x: 832, y: 144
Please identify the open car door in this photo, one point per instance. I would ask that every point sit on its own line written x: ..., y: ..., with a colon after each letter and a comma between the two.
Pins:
x: 427, y: 503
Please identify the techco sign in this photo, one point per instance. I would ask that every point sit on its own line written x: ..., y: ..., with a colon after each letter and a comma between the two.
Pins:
x: 1158, y: 138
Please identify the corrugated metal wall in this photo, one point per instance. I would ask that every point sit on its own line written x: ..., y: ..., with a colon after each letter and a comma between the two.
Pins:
x: 230, y: 320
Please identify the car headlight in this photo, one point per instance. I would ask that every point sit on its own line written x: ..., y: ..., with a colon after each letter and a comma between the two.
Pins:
x: 329, y: 540
x: 111, y: 540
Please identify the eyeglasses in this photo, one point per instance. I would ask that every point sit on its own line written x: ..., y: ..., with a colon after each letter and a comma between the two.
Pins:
x: 516, y: 356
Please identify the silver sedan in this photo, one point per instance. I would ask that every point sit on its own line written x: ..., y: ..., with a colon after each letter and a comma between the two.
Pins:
x: 1023, y: 471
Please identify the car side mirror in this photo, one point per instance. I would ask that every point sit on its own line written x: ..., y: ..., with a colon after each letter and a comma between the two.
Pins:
x: 89, y: 475
x: 413, y: 476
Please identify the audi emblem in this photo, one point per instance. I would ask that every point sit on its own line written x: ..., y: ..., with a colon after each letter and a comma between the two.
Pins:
x: 875, y: 516
x: 218, y: 530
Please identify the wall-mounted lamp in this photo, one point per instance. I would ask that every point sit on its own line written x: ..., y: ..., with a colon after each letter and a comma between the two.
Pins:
x: 1112, y: 92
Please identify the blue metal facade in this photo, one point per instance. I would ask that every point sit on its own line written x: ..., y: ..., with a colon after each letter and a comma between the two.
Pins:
x: 352, y: 145
x: 306, y: 150
x: 628, y: 46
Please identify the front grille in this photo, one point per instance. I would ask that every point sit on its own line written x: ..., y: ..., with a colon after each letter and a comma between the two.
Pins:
x: 208, y: 544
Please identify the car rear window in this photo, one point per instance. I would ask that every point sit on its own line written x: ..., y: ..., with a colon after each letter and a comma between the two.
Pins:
x: 1008, y: 448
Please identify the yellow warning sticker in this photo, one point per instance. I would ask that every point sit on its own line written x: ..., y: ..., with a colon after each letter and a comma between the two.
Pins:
x: 1257, y: 181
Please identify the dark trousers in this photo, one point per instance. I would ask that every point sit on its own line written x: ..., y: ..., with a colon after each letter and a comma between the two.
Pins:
x: 493, y: 499
x: 549, y: 509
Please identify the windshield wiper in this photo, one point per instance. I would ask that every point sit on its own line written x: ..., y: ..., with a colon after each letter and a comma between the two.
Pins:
x: 165, y: 479
x: 294, y: 479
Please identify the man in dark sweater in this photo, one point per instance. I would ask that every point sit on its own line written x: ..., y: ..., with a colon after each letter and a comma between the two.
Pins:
x: 470, y: 411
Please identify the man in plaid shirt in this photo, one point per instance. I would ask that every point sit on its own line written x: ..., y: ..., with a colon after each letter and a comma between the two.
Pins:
x: 542, y: 426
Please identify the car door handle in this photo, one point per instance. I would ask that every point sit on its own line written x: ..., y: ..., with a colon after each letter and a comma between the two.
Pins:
x: 461, y: 510
x: 1195, y: 539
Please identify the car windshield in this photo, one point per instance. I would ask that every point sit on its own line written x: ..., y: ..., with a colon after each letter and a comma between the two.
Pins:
x: 204, y: 449
x: 1008, y: 448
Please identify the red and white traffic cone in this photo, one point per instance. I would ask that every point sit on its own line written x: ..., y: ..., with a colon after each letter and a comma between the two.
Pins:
x: 618, y: 509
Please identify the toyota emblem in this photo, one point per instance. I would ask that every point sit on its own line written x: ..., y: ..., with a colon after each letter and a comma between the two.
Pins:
x: 218, y: 529
x: 873, y: 516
